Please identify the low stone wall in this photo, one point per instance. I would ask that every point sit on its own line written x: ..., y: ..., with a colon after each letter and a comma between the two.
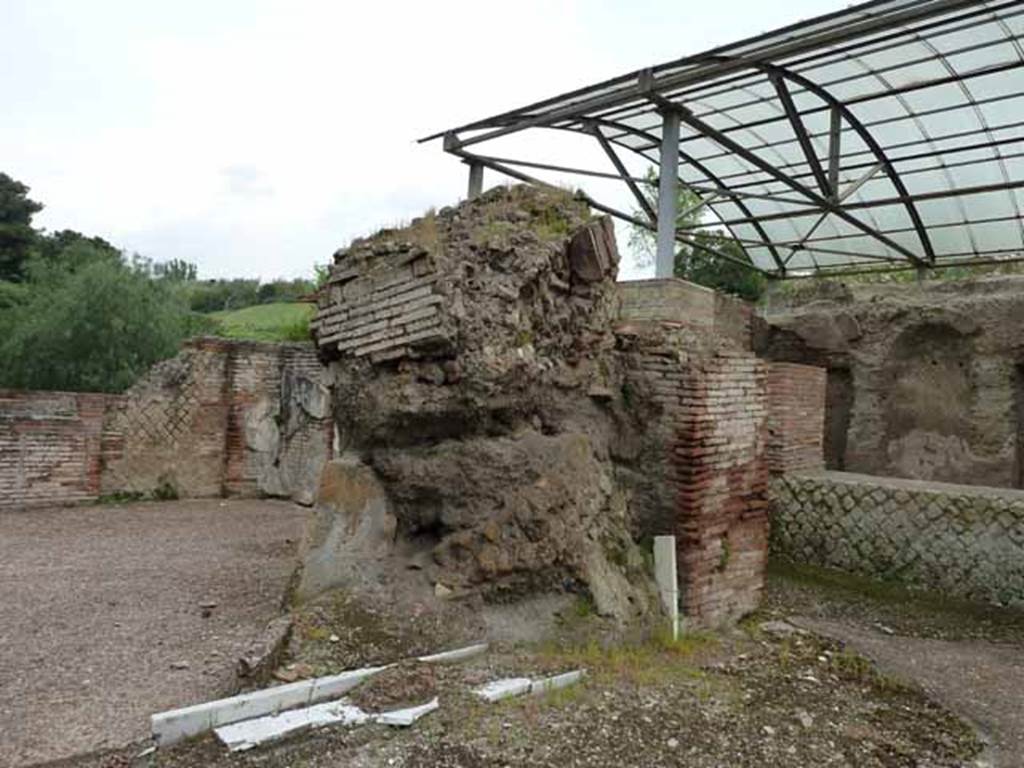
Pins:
x: 694, y: 307
x: 221, y: 418
x: 50, y: 446
x: 961, y: 540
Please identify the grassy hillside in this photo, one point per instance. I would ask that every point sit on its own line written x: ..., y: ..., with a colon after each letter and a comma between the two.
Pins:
x: 266, y: 322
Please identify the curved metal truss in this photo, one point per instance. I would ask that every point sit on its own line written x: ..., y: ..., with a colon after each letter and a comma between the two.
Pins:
x: 885, y: 136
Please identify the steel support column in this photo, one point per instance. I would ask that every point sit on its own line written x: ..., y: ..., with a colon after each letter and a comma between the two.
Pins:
x: 668, y: 195
x: 476, y: 179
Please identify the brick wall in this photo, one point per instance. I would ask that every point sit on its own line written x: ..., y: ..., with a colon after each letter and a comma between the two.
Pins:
x: 222, y: 417
x: 711, y: 482
x: 722, y: 530
x: 796, y: 417
x: 957, y: 539
x: 50, y: 446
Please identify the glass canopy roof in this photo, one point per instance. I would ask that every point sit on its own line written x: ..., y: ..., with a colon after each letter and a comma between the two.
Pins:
x: 887, y: 135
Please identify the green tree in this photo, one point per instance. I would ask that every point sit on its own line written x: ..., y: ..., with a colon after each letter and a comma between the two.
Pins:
x: 176, y: 270
x: 16, y: 234
x: 697, y: 264
x: 94, y: 327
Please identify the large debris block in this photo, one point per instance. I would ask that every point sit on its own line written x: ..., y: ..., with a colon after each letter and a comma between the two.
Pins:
x: 593, y: 255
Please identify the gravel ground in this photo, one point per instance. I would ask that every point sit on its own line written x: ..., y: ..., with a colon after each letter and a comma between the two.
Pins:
x: 101, y: 615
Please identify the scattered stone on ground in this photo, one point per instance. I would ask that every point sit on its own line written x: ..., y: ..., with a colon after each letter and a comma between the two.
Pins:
x: 407, y: 684
x: 739, y: 697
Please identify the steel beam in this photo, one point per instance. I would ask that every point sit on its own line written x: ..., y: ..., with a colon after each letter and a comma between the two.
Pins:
x: 786, y: 98
x: 641, y: 198
x: 835, y: 135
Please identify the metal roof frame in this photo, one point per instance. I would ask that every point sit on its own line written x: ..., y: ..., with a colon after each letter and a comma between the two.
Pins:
x: 844, y: 143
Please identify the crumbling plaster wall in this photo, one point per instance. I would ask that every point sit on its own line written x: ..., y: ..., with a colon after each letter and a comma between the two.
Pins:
x: 923, y: 379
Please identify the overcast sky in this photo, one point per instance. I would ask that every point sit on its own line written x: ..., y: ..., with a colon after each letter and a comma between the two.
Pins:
x: 254, y: 137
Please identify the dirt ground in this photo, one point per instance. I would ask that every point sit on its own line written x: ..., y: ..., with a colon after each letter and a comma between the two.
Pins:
x: 102, y: 614
x: 966, y: 656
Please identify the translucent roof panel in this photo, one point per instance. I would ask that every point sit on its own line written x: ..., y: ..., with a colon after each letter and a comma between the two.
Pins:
x: 888, y: 134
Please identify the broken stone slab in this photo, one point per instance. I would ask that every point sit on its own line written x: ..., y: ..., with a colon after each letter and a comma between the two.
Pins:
x: 266, y: 652
x: 454, y: 656
x: 238, y: 737
x: 177, y: 724
x: 509, y: 687
x: 496, y: 690
x: 563, y: 680
x: 403, y: 718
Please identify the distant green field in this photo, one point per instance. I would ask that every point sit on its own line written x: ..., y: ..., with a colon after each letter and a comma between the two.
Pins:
x: 266, y: 322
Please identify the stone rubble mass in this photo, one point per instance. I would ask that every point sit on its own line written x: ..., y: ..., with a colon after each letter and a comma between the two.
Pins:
x: 474, y: 367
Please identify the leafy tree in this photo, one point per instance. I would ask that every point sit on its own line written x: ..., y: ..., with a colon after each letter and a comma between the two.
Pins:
x: 698, y: 265
x: 16, y: 234
x: 94, y: 327
x: 176, y: 270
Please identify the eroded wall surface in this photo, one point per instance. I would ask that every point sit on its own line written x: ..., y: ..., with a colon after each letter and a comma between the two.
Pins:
x: 924, y: 381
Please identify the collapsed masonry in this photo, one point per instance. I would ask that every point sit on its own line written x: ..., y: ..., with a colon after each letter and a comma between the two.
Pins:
x: 497, y: 408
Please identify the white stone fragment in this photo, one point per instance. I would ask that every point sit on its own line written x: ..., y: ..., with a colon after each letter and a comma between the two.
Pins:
x: 496, y: 690
x: 508, y: 687
x: 459, y: 654
x: 563, y: 680
x: 403, y: 718
x: 247, y: 734
x: 238, y: 737
x: 175, y: 725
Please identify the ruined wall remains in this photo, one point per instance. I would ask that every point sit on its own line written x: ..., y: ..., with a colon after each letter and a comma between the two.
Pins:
x: 704, y: 478
x: 923, y: 380
x: 700, y: 310
x: 956, y: 539
x: 222, y: 417
x: 529, y: 422
x: 50, y: 446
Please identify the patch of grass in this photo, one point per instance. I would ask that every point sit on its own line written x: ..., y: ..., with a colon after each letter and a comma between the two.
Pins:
x: 660, y: 659
x: 121, y: 497
x: 165, y: 490
x: 584, y: 607
x: 266, y: 322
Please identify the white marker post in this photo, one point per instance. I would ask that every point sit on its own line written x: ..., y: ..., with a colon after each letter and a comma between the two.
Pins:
x: 666, y: 577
